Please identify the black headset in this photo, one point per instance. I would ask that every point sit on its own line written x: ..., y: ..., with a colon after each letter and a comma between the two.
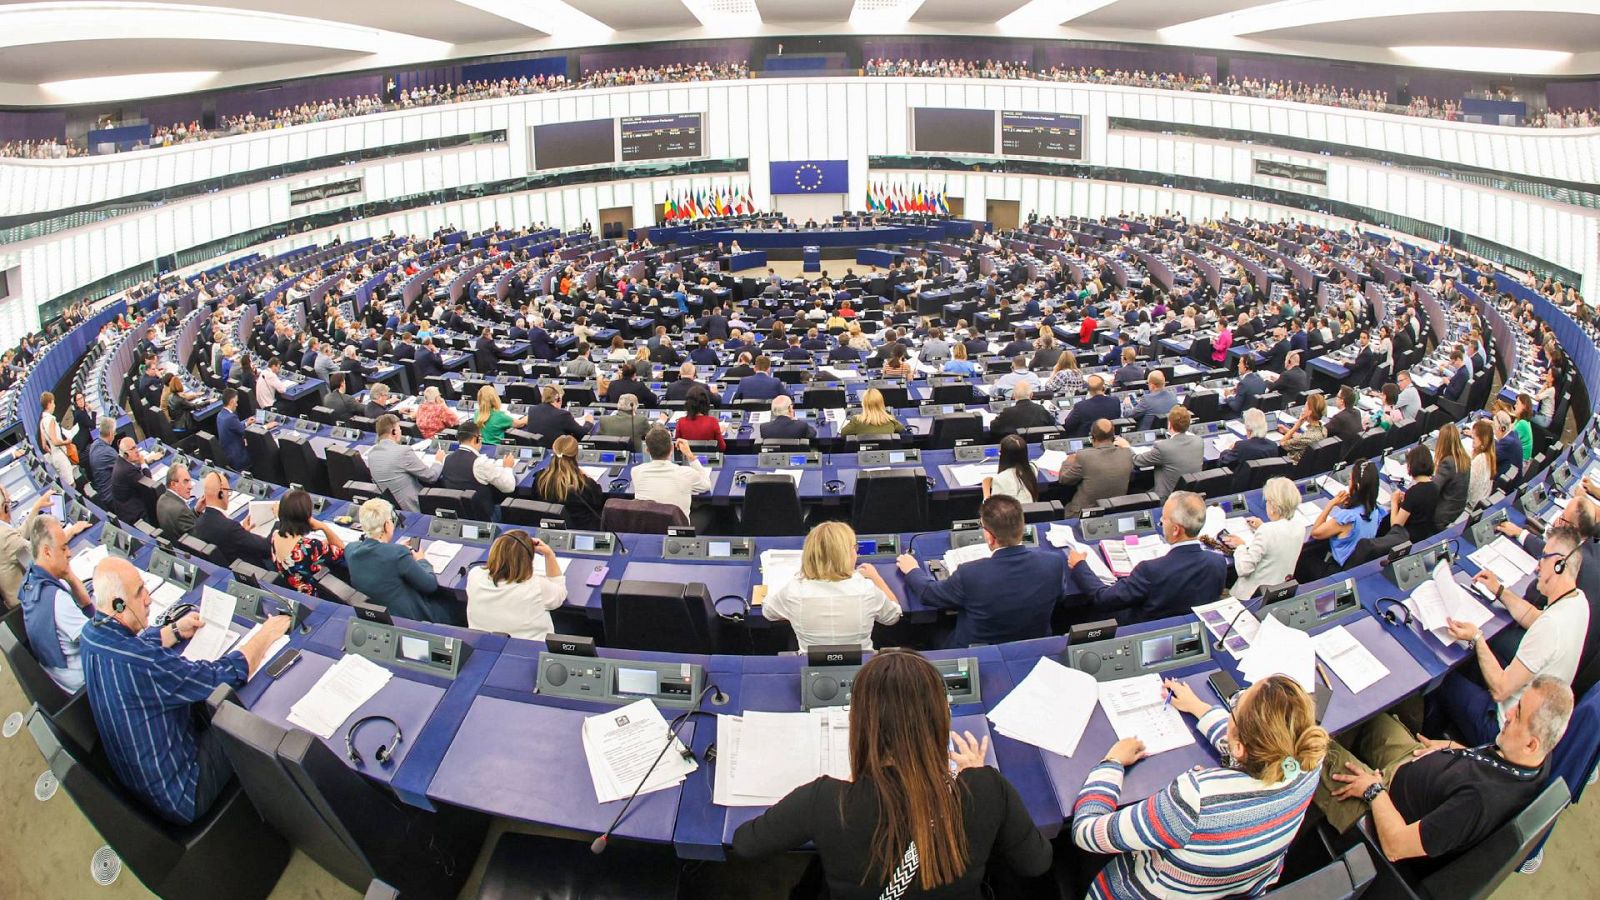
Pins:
x: 833, y: 486
x: 1397, y: 613
x: 1561, y: 564
x: 384, y: 753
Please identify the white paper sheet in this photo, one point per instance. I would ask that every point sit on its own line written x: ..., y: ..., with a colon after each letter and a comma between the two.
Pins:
x: 84, y: 561
x: 1049, y: 709
x: 973, y: 474
x: 622, y: 744
x: 955, y: 557
x: 1138, y: 707
x: 779, y: 567
x: 1509, y: 562
x: 1218, y: 616
x: 1441, y: 598
x: 1280, y: 650
x: 1051, y: 461
x: 341, y: 690
x: 1354, y: 664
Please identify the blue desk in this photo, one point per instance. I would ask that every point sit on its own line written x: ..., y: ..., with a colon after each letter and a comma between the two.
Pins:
x: 811, y: 258
x: 749, y: 259
x: 885, y: 259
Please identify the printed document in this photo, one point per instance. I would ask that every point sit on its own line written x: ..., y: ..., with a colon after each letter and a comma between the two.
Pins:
x: 1049, y: 709
x: 341, y: 690
x: 621, y: 745
x: 1354, y: 664
x: 1138, y: 707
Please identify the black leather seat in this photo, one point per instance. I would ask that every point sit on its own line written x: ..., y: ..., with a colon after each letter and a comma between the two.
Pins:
x: 449, y: 501
x: 640, y: 516
x: 37, y: 685
x: 771, y: 506
x: 1128, y: 503
x: 345, y: 467
x: 263, y: 448
x: 342, y: 821
x: 890, y: 501
x: 952, y: 427
x: 520, y: 511
x: 1319, y: 458
x: 1345, y: 878
x: 823, y: 398
x: 656, y: 615
x: 300, y: 463
x: 535, y: 867
x: 953, y: 393
x: 228, y: 852
x: 1256, y: 472
x: 1209, y: 482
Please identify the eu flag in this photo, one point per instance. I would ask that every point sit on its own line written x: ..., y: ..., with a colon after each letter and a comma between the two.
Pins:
x: 810, y: 176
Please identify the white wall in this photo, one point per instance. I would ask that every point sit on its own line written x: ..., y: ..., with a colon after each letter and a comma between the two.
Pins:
x: 804, y: 207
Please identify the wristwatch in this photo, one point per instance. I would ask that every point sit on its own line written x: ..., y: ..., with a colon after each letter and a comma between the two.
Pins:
x: 1372, y: 791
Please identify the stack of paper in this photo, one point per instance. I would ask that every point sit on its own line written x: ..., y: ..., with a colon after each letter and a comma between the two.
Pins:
x: 779, y: 567
x: 956, y: 556
x: 84, y: 561
x: 439, y: 554
x: 973, y: 474
x: 348, y: 535
x: 214, y: 637
x: 1436, y: 601
x: 595, y: 473
x: 1219, y: 616
x: 1354, y: 664
x: 163, y: 593
x: 236, y: 502
x: 762, y: 756
x: 1051, y: 461
x: 1280, y: 650
x: 1049, y: 709
x: 1122, y: 555
x: 1509, y: 562
x: 1062, y: 535
x: 1305, y: 515
x: 1217, y: 521
x: 341, y: 690
x: 622, y: 744
x: 1138, y: 708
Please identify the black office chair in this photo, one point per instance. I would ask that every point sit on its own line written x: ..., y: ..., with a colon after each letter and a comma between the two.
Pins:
x: 193, y: 546
x: 1474, y: 873
x: 346, y: 468
x: 534, y: 866
x: 952, y: 427
x: 1369, y: 444
x: 348, y: 825
x: 1345, y: 878
x: 640, y: 516
x: 895, y: 397
x: 658, y: 615
x: 37, y: 685
x: 1203, y: 406
x: 1110, y: 506
x: 1320, y: 457
x: 771, y: 506
x: 300, y: 463
x: 952, y: 393
x: 1256, y: 472
x: 447, y: 501
x: 518, y: 511
x: 1209, y: 482
x: 263, y: 448
x: 608, y: 442
x: 228, y: 852
x: 331, y: 587
x: 890, y: 501
x: 1043, y: 511
x: 823, y: 398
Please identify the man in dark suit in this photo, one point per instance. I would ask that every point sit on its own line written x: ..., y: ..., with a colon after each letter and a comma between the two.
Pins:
x: 1154, y: 404
x: 1024, y: 413
x: 406, y: 349
x: 760, y: 386
x: 1170, y: 585
x: 1247, y: 393
x: 1007, y: 597
x: 627, y: 383
x: 232, y: 540
x: 1254, y: 446
x: 540, y: 345
x: 127, y: 498
x: 741, y: 368
x: 715, y: 324
x: 1346, y: 425
x: 173, y: 513
x: 548, y: 420
x: 1095, y: 406
x: 1019, y: 346
x: 783, y: 425
x: 679, y: 389
x: 664, y: 353
x: 102, y: 458
x: 486, y: 354
x: 343, y: 405
x: 428, y: 361
x: 1456, y: 389
x: 1274, y: 354
x: 1098, y: 471
x: 1294, y: 381
x: 1366, y: 361
x: 1130, y: 373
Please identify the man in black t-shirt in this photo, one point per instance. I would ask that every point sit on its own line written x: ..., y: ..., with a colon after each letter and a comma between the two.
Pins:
x: 1435, y: 798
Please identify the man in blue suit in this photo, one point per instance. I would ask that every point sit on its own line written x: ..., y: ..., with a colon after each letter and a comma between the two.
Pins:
x: 1171, y: 585
x: 1456, y: 389
x: 428, y: 361
x: 540, y: 346
x: 1007, y: 597
x: 1095, y: 406
x: 1247, y: 393
x: 760, y: 386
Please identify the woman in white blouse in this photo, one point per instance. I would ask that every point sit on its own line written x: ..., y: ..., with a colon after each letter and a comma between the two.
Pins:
x: 515, y: 592
x: 1481, y: 477
x: 1268, y: 555
x: 832, y: 601
x: 1015, y: 475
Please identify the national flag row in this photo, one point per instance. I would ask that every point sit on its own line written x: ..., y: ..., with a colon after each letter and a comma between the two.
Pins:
x: 901, y: 198
x: 686, y: 206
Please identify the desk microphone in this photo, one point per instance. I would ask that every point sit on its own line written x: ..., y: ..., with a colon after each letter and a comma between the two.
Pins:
x: 598, y: 845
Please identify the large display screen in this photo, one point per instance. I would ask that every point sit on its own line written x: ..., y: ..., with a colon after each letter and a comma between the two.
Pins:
x: 943, y: 130
x: 565, y: 144
x: 1055, y: 135
x: 671, y: 136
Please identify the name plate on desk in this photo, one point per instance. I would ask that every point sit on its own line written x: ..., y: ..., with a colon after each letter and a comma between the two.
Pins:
x: 170, y: 568
x: 589, y: 543
x: 1307, y: 611
x: 830, y: 685
x: 1410, y: 571
x: 605, y: 457
x: 392, y: 645
x: 888, y: 457
x: 977, y: 452
x: 708, y: 548
x: 878, y: 546
x: 460, y: 530
x: 1100, y: 528
x: 811, y: 459
x: 1152, y: 651
x: 965, y: 534
x: 619, y: 681
x: 1481, y: 530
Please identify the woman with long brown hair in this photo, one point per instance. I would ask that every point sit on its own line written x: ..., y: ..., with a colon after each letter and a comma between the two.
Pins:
x: 1451, y: 472
x: 903, y: 826
x: 564, y: 482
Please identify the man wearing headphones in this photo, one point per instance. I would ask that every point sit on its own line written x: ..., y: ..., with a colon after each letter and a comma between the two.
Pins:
x: 142, y: 689
x: 1552, y: 646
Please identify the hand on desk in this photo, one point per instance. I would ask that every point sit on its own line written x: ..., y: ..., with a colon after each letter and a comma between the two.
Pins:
x: 967, y: 752
x: 1126, y: 751
x: 1074, y: 557
x: 1489, y: 580
x: 1511, y: 531
x: 906, y: 563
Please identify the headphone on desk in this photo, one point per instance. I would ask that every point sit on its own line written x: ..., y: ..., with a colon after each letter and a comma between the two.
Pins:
x: 1390, y: 615
x: 384, y: 753
x: 833, y: 486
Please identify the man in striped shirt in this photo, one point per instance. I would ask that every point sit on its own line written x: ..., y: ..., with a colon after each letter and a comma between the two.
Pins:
x: 142, y: 692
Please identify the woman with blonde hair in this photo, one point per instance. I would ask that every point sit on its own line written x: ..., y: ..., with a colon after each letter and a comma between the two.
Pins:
x: 874, y: 418
x: 857, y: 339
x: 493, y: 421
x: 833, y: 600
x: 433, y: 415
x: 919, y: 814
x: 1214, y: 832
x: 1065, y: 378
x: 516, y: 591
x: 958, y: 363
x: 1306, y: 430
x: 1451, y: 472
x: 563, y: 481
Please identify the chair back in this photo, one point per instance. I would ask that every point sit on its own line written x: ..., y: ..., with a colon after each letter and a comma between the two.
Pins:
x: 37, y: 685
x: 518, y: 511
x: 300, y: 464
x: 1209, y: 482
x: 1475, y: 873
x: 1320, y: 457
x: 823, y: 398
x: 890, y: 501
x: 772, y: 506
x: 1257, y: 472
x: 263, y: 449
x: 952, y: 393
x: 952, y: 427
x: 434, y: 500
x: 346, y: 468
x: 658, y: 615
x: 1345, y: 878
x: 640, y: 516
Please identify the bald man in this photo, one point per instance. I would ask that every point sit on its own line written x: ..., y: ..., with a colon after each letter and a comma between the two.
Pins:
x: 233, y: 540
x: 142, y: 692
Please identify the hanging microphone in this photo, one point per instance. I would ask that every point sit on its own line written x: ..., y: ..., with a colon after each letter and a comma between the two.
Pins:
x: 598, y: 845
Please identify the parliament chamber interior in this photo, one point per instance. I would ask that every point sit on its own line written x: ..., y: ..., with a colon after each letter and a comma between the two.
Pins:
x: 770, y: 449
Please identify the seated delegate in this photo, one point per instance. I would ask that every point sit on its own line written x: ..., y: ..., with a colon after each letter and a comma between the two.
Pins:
x: 515, y: 592
x: 1187, y: 576
x: 832, y: 600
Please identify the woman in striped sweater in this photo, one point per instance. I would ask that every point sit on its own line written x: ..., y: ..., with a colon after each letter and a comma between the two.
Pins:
x: 1214, y: 832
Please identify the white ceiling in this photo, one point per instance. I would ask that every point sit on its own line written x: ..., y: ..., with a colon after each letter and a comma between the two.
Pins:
x: 219, y: 43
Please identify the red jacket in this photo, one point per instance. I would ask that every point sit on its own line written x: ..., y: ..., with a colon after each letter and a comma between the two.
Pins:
x: 701, y: 428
